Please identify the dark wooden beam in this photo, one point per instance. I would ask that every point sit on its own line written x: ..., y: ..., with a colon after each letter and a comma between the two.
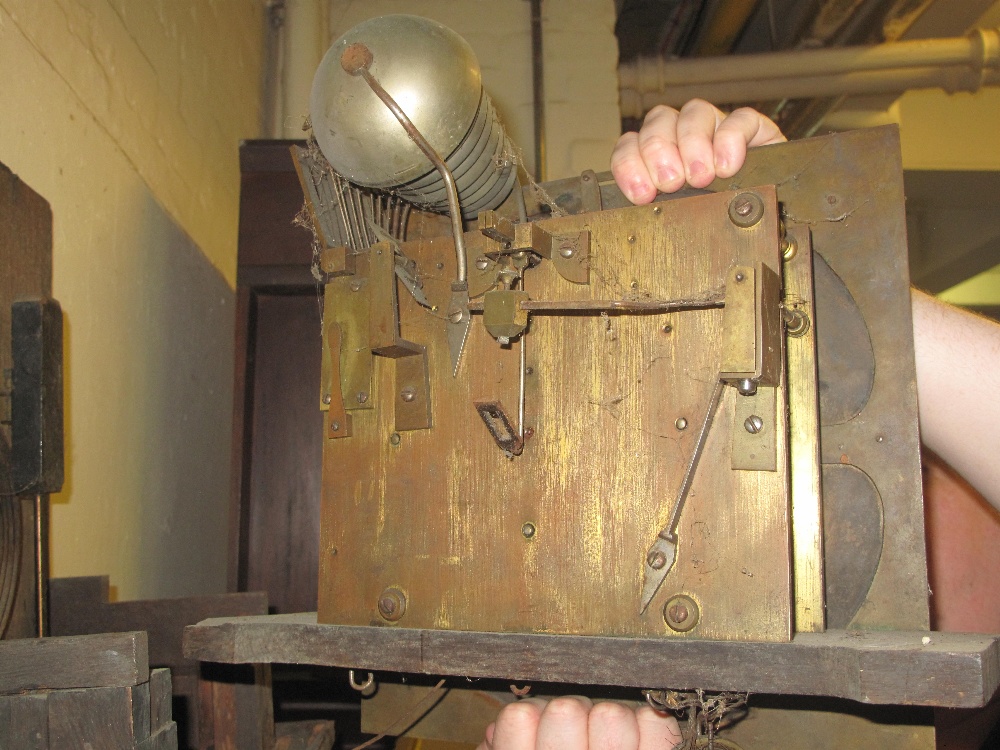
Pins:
x: 888, y: 667
x: 85, y: 661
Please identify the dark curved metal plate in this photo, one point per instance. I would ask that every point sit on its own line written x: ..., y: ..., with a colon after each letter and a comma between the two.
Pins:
x: 853, y: 527
x: 844, y: 354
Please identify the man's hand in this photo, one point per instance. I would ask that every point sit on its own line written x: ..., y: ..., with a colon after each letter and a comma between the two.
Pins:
x: 578, y: 723
x: 695, y: 145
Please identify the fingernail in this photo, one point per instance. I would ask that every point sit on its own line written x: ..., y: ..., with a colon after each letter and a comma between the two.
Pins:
x: 697, y: 168
x: 666, y: 176
x: 721, y: 164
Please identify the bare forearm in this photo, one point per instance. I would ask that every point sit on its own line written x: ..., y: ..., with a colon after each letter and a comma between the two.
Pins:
x: 958, y: 388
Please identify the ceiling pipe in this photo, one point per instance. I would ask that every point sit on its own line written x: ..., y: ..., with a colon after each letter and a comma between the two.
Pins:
x: 959, y: 64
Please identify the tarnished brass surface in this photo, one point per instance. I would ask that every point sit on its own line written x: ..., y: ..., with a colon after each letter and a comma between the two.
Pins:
x: 352, y: 296
x: 848, y: 190
x: 755, y: 440
x: 338, y: 421
x: 440, y: 515
x: 412, y: 393
x: 803, y: 428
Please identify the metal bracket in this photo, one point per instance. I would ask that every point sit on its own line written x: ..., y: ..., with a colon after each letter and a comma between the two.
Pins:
x: 590, y: 191
x: 413, y: 393
x: 752, y: 326
x: 346, y: 303
x: 338, y: 421
x: 496, y: 421
x: 755, y: 445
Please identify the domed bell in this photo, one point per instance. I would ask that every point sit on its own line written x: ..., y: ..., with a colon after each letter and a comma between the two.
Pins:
x: 433, y: 75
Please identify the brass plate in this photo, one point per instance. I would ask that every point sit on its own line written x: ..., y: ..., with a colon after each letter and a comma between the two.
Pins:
x: 847, y: 189
x: 441, y: 514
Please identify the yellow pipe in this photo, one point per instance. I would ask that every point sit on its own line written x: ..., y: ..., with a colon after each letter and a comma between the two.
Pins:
x: 960, y: 64
x: 725, y: 25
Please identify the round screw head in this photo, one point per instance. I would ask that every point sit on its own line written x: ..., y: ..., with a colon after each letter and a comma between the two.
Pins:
x: 753, y: 424
x: 408, y: 395
x: 528, y: 530
x: 394, y: 438
x: 362, y: 397
x: 482, y: 262
x: 657, y: 209
x: 681, y: 613
x: 392, y: 604
x: 631, y: 238
x: 335, y: 426
x: 456, y: 316
x: 656, y: 560
x: 567, y: 251
x: 327, y: 398
x: 788, y: 248
x: 746, y: 210
x: 746, y: 387
x: 355, y: 286
x: 681, y: 423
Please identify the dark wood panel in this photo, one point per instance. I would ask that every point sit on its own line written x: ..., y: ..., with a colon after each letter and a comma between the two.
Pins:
x: 105, y: 660
x: 282, y: 493
x: 270, y: 198
x: 25, y: 273
x: 80, y: 606
x: 899, y: 667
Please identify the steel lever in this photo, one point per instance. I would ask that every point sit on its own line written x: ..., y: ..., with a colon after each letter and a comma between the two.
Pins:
x: 662, y: 555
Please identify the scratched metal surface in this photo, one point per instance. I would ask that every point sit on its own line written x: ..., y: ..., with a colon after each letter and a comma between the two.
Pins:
x: 440, y: 514
x: 848, y: 189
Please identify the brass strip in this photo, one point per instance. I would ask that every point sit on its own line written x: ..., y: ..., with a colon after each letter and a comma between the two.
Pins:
x: 807, y: 505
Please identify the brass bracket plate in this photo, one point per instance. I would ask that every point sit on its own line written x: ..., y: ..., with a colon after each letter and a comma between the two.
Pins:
x: 338, y: 421
x: 752, y: 326
x: 590, y: 191
x: 571, y: 256
x: 755, y: 445
x: 346, y: 304
x: 413, y: 393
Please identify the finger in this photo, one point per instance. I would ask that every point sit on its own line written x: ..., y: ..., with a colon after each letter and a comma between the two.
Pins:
x: 630, y: 171
x: 658, y: 148
x: 742, y: 128
x: 657, y: 731
x: 696, y: 126
x: 516, y: 727
x: 564, y: 724
x: 612, y: 726
x: 487, y: 743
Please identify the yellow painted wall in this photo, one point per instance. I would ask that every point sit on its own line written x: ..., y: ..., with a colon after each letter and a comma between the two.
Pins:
x: 581, y: 79
x: 126, y: 116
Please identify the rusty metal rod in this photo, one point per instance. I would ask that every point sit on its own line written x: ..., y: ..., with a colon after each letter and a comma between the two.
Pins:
x: 717, y: 299
x: 355, y: 60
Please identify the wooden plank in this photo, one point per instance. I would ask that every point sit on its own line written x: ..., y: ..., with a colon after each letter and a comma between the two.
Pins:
x: 890, y: 667
x: 164, y: 739
x: 105, y: 660
x: 99, y: 717
x: 80, y: 606
x: 24, y: 721
x: 160, y: 695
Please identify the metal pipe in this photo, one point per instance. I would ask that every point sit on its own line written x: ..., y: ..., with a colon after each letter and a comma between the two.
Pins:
x: 538, y: 88
x: 41, y: 565
x: 959, y: 64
